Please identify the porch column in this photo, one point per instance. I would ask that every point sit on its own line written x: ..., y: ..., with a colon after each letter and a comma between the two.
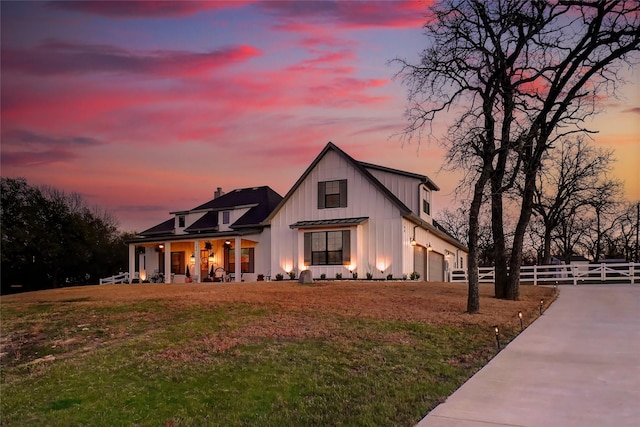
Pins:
x: 196, y: 264
x: 238, y: 256
x: 132, y: 261
x: 167, y: 262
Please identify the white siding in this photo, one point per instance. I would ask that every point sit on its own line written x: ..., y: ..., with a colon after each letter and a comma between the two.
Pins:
x: 403, y: 187
x: 376, y: 245
x: 425, y: 238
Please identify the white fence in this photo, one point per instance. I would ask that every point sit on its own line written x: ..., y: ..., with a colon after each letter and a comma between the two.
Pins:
x: 119, y: 278
x: 576, y: 274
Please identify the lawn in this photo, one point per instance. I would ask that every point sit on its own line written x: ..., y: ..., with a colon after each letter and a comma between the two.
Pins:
x: 269, y: 353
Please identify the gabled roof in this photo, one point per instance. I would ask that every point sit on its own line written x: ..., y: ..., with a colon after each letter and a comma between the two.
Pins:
x: 208, y: 222
x: 240, y: 197
x: 260, y: 201
x: 361, y: 168
x: 425, y: 179
x: 165, y: 227
x: 267, y: 200
x: 436, y: 229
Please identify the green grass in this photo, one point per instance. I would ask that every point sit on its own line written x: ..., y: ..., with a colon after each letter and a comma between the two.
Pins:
x: 157, y: 363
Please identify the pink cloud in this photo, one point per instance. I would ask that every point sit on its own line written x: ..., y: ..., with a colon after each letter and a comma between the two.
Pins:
x: 350, y: 14
x: 142, y: 8
x: 55, y: 57
x: 26, y: 148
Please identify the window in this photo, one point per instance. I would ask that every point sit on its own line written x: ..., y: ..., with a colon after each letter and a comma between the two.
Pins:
x: 426, y: 207
x: 332, y: 194
x: 246, y: 260
x: 226, y: 217
x: 177, y: 263
x: 426, y: 201
x: 181, y: 221
x: 327, y: 248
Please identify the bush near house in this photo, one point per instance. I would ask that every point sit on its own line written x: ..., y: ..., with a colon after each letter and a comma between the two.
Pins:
x: 268, y: 354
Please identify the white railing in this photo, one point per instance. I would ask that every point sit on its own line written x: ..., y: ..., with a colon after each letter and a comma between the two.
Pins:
x: 576, y: 274
x: 119, y: 278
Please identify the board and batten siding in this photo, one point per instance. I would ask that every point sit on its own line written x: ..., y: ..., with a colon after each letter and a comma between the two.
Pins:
x: 375, y: 244
x: 403, y: 187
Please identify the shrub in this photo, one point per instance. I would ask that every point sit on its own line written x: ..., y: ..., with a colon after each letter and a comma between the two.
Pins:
x: 292, y: 275
x: 389, y: 276
x: 415, y: 275
x: 369, y: 276
x: 323, y: 276
x: 279, y: 276
x: 354, y: 275
x: 338, y: 276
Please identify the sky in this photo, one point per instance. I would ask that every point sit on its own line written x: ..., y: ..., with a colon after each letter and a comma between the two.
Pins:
x: 145, y: 108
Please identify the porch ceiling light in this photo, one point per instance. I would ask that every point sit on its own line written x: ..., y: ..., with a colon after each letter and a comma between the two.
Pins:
x: 227, y: 242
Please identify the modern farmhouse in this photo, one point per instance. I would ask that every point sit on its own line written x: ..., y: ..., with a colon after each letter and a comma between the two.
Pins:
x: 341, y: 218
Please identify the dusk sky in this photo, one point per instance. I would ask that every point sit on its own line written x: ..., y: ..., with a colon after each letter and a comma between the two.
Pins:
x: 146, y: 107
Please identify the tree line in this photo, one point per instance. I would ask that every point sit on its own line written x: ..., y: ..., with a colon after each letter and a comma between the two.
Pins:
x: 52, y: 239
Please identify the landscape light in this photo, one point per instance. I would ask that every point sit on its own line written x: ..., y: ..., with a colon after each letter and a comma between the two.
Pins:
x: 520, y: 317
x: 541, y: 304
x: 497, y: 332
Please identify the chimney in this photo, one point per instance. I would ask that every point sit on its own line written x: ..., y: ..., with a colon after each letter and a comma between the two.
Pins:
x: 218, y: 193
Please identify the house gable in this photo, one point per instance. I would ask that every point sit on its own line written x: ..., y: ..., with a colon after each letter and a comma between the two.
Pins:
x: 357, y: 166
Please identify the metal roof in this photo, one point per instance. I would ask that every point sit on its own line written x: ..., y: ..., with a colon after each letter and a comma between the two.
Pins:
x: 338, y: 222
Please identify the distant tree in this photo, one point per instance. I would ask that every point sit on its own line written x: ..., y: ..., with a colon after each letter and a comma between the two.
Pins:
x: 571, y: 177
x: 520, y: 75
x: 51, y: 239
x: 456, y: 222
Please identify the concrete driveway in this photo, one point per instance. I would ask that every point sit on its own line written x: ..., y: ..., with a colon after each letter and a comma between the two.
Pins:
x: 577, y: 365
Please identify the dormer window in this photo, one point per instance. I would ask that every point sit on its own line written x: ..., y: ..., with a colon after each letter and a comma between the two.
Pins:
x: 181, y: 221
x: 332, y: 194
x: 426, y: 201
x: 226, y: 217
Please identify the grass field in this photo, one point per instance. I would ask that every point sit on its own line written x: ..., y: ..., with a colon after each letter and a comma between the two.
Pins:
x: 269, y: 353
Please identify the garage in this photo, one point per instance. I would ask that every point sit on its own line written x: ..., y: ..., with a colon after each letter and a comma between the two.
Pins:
x: 436, y: 267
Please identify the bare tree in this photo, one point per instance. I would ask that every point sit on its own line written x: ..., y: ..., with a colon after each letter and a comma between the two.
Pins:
x: 520, y: 74
x: 624, y: 236
x: 569, y: 179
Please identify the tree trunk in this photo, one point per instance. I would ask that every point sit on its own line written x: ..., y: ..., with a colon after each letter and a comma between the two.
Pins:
x: 497, y: 228
x: 513, y: 282
x: 473, y: 296
x: 546, y: 256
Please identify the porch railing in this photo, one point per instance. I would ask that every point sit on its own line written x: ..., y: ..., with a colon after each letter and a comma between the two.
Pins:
x: 118, y: 278
x: 576, y: 274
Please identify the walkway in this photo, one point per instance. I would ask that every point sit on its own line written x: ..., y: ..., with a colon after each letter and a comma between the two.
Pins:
x: 577, y: 365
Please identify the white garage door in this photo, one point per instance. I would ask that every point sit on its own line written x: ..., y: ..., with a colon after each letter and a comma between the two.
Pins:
x: 436, y: 267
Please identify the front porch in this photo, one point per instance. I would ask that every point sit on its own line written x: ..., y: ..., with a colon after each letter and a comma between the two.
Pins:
x: 212, y: 259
